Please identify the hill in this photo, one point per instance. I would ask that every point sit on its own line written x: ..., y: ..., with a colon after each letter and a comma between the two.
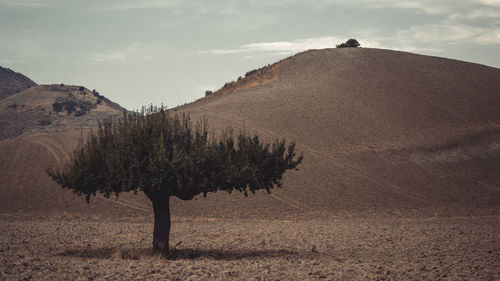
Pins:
x: 383, y: 133
x: 13, y: 82
x: 53, y: 108
x: 39, y: 127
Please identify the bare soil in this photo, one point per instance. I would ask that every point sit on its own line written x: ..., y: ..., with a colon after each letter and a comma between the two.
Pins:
x: 68, y: 247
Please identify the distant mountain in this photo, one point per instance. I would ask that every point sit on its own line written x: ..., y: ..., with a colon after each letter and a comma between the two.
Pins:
x: 53, y: 108
x: 12, y: 82
x: 40, y: 127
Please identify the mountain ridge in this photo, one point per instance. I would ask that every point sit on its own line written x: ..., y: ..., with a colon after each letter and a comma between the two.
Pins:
x: 52, y: 108
x: 12, y: 82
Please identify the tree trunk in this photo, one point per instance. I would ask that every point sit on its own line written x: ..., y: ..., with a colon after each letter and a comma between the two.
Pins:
x: 161, y: 231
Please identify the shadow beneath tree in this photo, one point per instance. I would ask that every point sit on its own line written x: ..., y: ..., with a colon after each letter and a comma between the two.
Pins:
x: 176, y: 254
x: 228, y: 254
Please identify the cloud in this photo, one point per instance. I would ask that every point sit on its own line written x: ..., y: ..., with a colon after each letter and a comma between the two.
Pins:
x: 450, y: 33
x: 26, y: 3
x: 425, y: 6
x: 481, y: 14
x: 133, y: 52
x: 141, y: 5
x: 288, y: 47
x: 430, y: 7
x: 490, y: 2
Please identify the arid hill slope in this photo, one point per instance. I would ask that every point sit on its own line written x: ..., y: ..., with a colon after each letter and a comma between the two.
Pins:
x: 39, y: 127
x: 53, y: 108
x: 382, y: 132
x: 13, y: 82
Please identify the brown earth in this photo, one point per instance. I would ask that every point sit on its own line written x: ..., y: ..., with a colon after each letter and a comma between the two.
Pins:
x: 66, y: 247
x: 400, y: 180
x: 53, y: 108
x: 12, y: 82
x: 382, y: 132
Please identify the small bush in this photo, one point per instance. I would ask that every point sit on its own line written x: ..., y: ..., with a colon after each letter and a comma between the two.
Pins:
x: 351, y: 43
x: 70, y: 106
x: 80, y: 112
x: 58, y: 106
x: 251, y: 72
x: 45, y: 122
x: 208, y: 93
x: 81, y: 89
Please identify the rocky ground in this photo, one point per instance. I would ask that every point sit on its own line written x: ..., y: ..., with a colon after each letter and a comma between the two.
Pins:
x: 71, y: 247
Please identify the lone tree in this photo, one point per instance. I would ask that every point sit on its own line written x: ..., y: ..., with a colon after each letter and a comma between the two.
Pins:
x: 351, y: 43
x: 164, y: 155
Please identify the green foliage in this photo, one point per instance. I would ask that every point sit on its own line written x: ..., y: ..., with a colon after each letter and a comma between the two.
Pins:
x: 351, y: 43
x: 98, y: 96
x: 249, y: 73
x: 70, y: 105
x: 58, y: 106
x: 165, y: 155
x: 45, y: 122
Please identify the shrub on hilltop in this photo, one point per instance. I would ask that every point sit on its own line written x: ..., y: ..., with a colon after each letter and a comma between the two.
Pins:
x: 351, y: 43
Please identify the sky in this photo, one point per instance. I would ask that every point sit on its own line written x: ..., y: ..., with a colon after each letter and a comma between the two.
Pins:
x: 171, y: 51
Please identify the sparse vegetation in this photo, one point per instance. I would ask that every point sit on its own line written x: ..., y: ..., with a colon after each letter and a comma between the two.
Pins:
x: 45, y: 122
x: 71, y: 104
x: 81, y: 89
x: 164, y: 156
x: 251, y: 72
x: 351, y: 43
x: 98, y: 96
x: 58, y: 106
x: 247, y: 74
x: 208, y: 93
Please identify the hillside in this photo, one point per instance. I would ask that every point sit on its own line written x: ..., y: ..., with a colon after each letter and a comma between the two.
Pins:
x: 39, y: 127
x: 53, y: 108
x: 383, y: 133
x: 13, y: 82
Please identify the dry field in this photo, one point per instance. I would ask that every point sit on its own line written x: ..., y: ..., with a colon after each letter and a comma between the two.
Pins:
x: 69, y: 247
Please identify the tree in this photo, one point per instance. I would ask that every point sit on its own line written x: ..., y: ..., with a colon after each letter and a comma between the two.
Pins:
x: 351, y: 43
x: 164, y: 156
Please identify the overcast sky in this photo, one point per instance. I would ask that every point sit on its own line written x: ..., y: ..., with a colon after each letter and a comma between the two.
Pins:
x: 171, y: 51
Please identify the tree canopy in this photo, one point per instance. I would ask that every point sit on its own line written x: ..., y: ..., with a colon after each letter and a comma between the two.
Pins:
x: 351, y: 43
x: 167, y: 155
x: 155, y: 152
